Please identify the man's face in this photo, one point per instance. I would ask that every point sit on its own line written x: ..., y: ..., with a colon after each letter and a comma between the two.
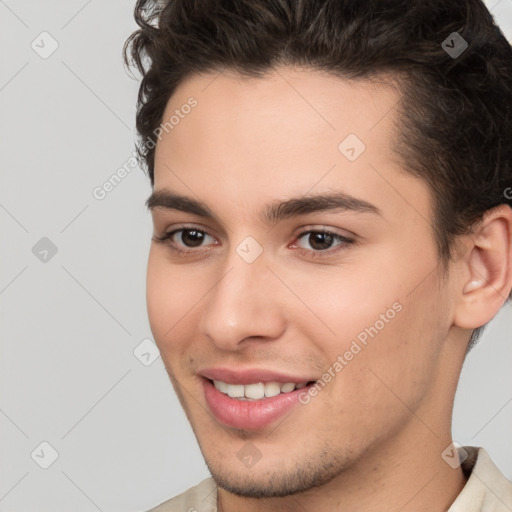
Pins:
x: 255, y: 300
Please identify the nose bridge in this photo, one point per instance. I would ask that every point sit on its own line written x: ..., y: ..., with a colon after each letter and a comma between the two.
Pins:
x: 240, y: 306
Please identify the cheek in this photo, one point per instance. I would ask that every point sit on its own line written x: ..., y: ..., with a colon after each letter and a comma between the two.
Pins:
x: 388, y: 338
x: 171, y: 294
x: 343, y: 302
x: 396, y: 366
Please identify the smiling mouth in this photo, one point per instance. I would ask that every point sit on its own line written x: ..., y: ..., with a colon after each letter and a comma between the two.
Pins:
x: 252, y: 403
x: 257, y: 390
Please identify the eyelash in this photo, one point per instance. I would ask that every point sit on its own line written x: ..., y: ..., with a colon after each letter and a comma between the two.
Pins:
x: 344, y: 242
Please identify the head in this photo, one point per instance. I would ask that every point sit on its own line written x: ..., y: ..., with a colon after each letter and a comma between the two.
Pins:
x: 342, y: 178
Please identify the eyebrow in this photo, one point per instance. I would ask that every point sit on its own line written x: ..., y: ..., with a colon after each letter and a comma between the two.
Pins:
x: 274, y: 212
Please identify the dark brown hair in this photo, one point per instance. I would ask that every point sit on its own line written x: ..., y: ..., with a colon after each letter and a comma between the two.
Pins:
x: 456, y: 110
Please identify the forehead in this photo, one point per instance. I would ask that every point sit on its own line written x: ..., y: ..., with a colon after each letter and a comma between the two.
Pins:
x: 305, y: 102
x: 285, y: 133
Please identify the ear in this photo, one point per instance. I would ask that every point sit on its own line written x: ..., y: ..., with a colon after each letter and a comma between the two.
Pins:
x: 486, y: 270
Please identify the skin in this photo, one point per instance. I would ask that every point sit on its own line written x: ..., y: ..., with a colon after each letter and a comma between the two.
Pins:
x: 372, y: 438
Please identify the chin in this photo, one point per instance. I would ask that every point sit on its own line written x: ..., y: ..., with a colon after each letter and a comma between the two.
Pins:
x: 272, y: 483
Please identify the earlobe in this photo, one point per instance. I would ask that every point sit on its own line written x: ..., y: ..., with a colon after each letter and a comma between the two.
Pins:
x: 487, y: 270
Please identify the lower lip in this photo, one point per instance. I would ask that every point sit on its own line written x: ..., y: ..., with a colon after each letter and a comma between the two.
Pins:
x: 248, y: 414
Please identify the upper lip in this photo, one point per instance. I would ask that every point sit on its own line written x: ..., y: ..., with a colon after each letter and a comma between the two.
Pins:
x: 250, y: 376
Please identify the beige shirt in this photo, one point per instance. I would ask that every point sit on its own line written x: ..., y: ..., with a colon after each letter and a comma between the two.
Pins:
x: 486, y: 490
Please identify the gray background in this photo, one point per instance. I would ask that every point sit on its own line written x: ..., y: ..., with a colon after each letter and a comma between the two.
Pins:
x: 72, y: 320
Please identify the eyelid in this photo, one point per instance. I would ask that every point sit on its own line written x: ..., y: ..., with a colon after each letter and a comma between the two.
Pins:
x: 326, y: 229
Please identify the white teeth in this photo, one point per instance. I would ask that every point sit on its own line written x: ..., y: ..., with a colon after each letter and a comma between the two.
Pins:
x: 221, y: 386
x: 256, y: 391
x: 235, y: 390
x: 286, y: 388
x: 272, y: 389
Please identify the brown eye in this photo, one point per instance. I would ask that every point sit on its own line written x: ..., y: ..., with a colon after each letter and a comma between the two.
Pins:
x: 185, y: 241
x: 321, y: 240
x: 191, y: 237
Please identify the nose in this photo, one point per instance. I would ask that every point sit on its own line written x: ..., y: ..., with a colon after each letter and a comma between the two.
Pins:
x: 243, y: 305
